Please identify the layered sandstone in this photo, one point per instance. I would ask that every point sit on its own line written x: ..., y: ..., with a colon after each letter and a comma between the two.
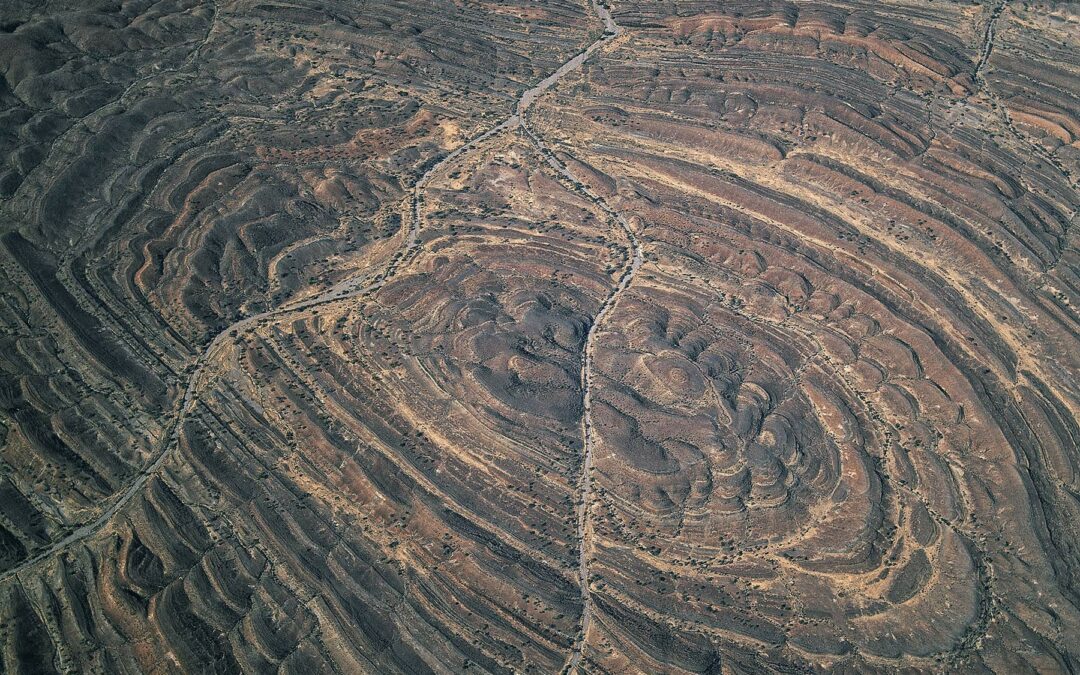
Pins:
x: 747, y: 342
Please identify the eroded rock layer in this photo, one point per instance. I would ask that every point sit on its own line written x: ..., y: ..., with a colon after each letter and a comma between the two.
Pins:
x: 750, y: 344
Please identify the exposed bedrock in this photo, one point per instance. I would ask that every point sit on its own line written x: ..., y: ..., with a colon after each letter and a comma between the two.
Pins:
x: 174, y: 167
x: 281, y: 391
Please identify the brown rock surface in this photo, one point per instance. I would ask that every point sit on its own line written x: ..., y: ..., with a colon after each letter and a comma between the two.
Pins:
x: 337, y: 338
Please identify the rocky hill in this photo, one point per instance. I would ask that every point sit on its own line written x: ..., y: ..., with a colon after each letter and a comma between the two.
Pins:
x: 512, y: 336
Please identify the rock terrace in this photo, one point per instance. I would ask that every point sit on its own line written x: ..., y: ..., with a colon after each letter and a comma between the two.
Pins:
x: 605, y: 337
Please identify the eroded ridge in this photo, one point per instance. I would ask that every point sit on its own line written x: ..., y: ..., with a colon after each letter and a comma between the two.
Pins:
x: 219, y: 361
x: 583, y: 498
x: 776, y: 487
x: 343, y: 290
x: 510, y: 337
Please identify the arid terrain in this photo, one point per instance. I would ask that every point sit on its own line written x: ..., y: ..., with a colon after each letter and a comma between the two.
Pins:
x: 539, y: 336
